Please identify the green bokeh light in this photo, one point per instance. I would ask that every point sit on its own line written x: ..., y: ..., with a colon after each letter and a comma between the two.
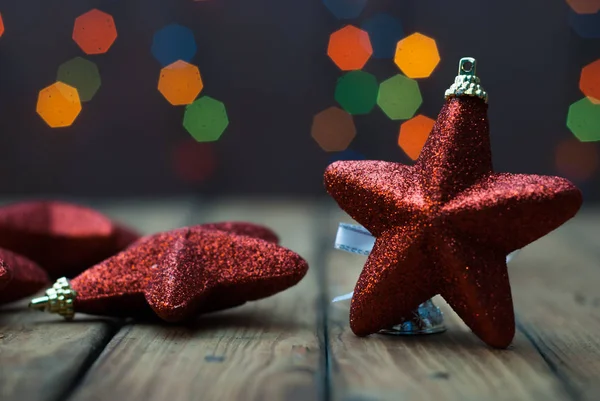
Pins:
x: 81, y: 74
x: 584, y: 120
x: 205, y: 119
x: 399, y: 97
x: 356, y: 92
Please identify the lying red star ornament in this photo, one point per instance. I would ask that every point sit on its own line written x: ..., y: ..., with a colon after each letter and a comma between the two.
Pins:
x: 63, y: 238
x: 445, y: 225
x: 182, y: 273
x: 19, y: 277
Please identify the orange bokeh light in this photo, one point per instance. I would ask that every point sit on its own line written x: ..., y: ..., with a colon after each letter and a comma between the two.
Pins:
x: 414, y: 134
x: 584, y: 6
x: 349, y: 48
x: 58, y: 104
x: 180, y: 83
x: 333, y: 129
x: 417, y: 56
x: 1, y: 26
x: 94, y: 32
x: 589, y: 83
x: 577, y: 160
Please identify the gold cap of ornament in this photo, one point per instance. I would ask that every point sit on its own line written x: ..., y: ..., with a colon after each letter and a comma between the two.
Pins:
x: 58, y: 299
x: 466, y: 82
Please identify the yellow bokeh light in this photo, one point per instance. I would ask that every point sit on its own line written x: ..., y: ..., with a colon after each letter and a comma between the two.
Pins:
x: 180, y: 83
x: 417, y: 56
x: 58, y: 104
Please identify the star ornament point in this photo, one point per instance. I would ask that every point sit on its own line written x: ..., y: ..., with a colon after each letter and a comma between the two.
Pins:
x: 445, y: 225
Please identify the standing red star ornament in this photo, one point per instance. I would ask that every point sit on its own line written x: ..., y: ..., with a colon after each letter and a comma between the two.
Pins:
x: 180, y: 274
x: 445, y: 225
x: 19, y: 277
x: 63, y: 238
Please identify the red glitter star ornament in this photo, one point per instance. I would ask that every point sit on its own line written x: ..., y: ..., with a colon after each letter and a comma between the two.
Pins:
x: 185, y: 272
x: 445, y: 225
x: 63, y: 238
x: 19, y: 277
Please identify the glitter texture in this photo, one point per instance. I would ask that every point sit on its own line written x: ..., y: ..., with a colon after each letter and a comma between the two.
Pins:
x: 188, y: 271
x: 63, y: 238
x: 19, y: 277
x: 445, y: 225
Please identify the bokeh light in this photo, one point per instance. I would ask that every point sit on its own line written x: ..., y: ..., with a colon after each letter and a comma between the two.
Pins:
x: 347, y: 154
x: 94, y: 32
x: 584, y: 120
x: 349, y: 48
x: 81, y: 74
x: 356, y: 92
x: 586, y: 26
x: 589, y: 83
x: 194, y: 162
x: 1, y: 26
x: 417, y: 56
x: 205, y: 119
x: 384, y: 31
x: 345, y: 9
x: 173, y: 42
x: 576, y: 160
x: 584, y: 6
x: 399, y: 97
x: 180, y: 83
x: 58, y: 104
x: 414, y: 134
x: 333, y: 129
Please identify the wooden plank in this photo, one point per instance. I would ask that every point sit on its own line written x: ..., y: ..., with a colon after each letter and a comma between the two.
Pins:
x: 556, y: 284
x: 454, y: 365
x: 264, y: 350
x: 41, y: 356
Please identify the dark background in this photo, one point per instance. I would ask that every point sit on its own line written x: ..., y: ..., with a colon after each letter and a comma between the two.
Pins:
x: 266, y: 60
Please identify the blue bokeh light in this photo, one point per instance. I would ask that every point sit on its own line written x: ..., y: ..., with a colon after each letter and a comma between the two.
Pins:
x: 345, y: 9
x: 585, y: 25
x: 173, y: 42
x: 384, y: 32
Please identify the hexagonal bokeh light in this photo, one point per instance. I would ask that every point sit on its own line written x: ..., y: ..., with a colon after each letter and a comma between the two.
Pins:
x: 349, y: 48
x: 180, y: 83
x: 576, y: 160
x: 205, y: 119
x: 94, y: 32
x: 345, y: 9
x: 586, y: 26
x: 58, y: 104
x: 413, y: 135
x: 584, y: 6
x: 194, y: 162
x: 333, y: 129
x: 384, y: 31
x: 356, y: 92
x: 584, y: 120
x: 347, y: 154
x: 589, y: 83
x: 81, y: 74
x: 1, y: 26
x: 173, y: 42
x: 417, y: 56
x: 399, y: 97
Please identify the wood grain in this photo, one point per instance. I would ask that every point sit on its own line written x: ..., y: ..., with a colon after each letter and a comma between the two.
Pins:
x: 451, y: 366
x: 43, y: 357
x: 556, y: 285
x: 265, y: 350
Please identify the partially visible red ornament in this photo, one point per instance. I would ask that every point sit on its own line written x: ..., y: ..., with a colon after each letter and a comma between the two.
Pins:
x: 445, y: 225
x: 179, y: 274
x: 63, y: 238
x: 19, y: 277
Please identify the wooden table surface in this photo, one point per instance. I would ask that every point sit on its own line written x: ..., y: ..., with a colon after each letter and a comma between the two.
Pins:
x: 298, y: 346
